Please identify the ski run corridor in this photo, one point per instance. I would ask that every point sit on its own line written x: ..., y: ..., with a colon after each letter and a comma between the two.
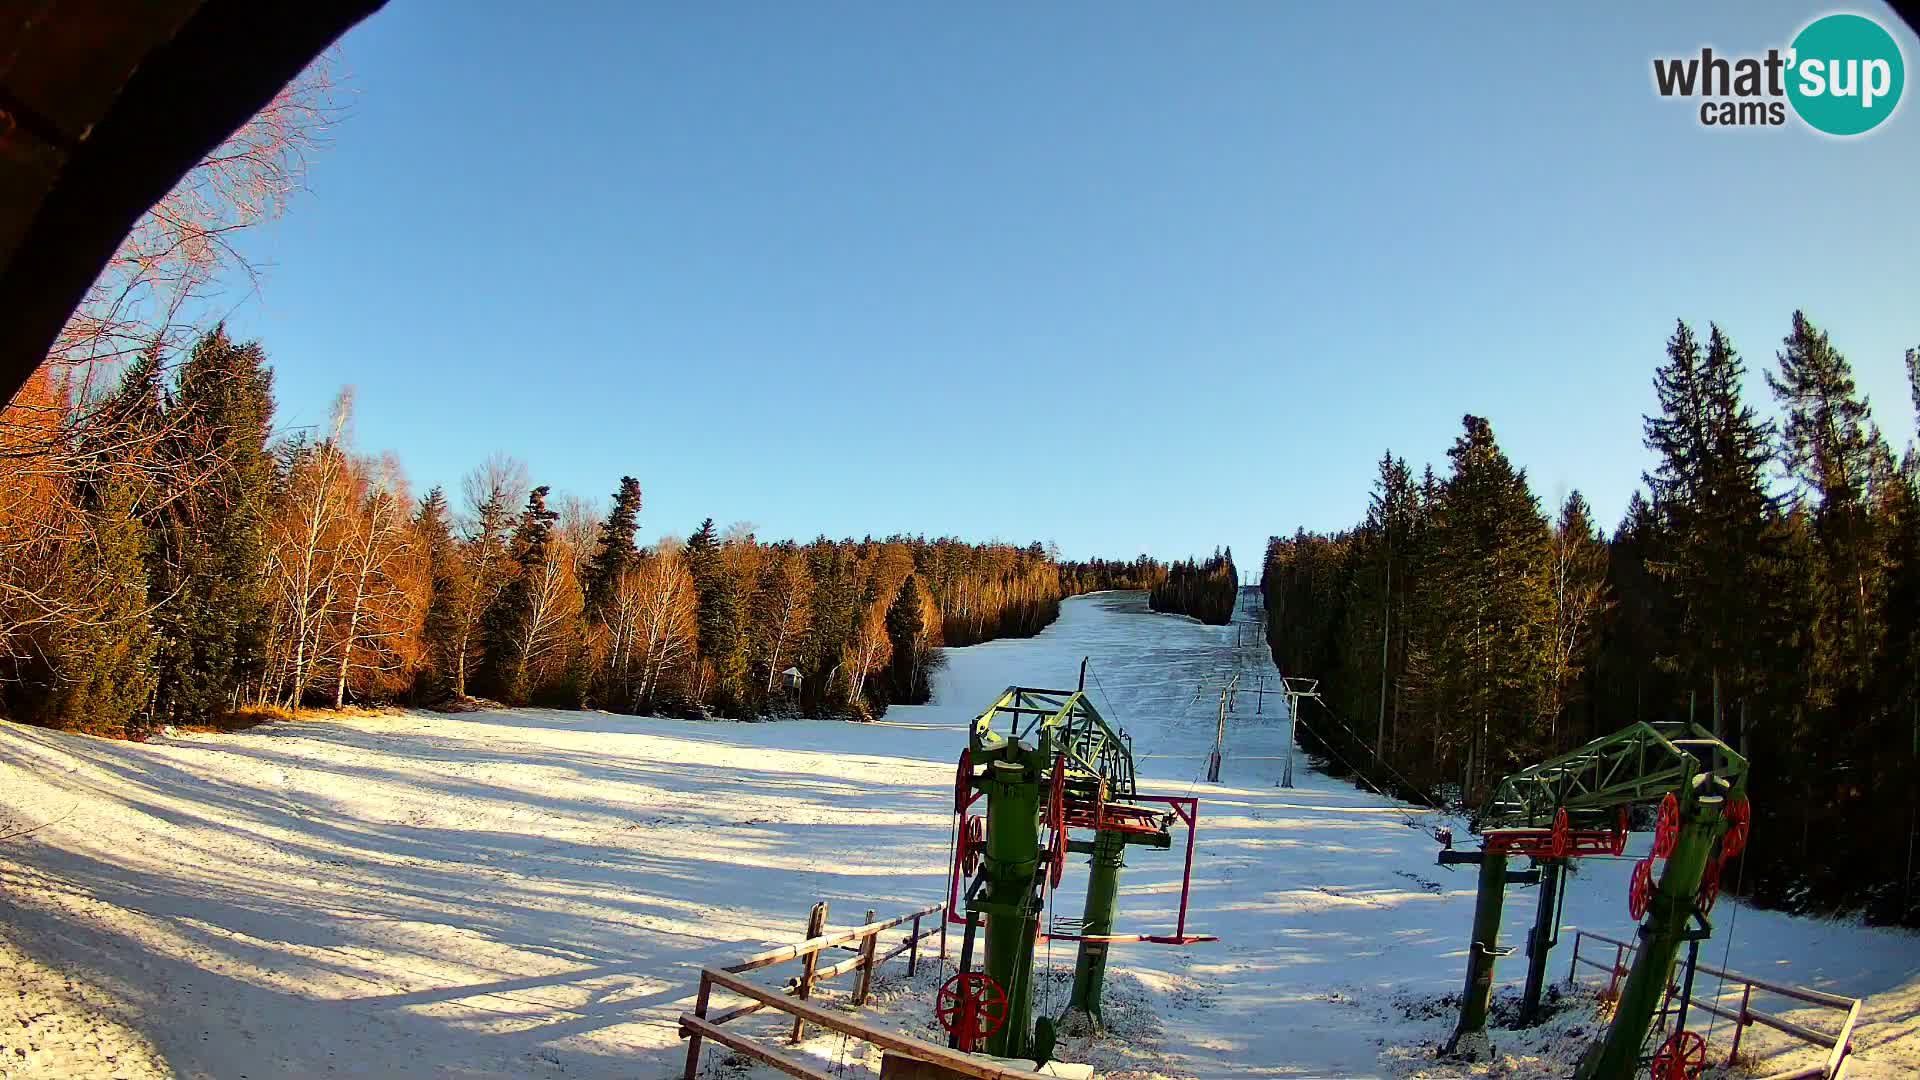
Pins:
x: 532, y: 893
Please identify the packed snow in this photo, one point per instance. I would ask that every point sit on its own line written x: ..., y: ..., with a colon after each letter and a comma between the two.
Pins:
x: 532, y: 893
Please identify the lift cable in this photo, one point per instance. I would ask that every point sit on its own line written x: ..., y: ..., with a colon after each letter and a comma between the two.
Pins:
x: 1408, y: 784
x: 1396, y: 804
x: 1739, y: 879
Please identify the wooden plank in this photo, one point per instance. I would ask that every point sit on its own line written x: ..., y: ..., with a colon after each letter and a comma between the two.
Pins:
x: 1781, y: 1023
x: 694, y: 1027
x: 815, y: 944
x: 834, y: 1020
x: 1836, y: 1061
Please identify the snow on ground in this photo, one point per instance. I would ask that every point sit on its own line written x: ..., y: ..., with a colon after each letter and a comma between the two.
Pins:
x: 532, y: 893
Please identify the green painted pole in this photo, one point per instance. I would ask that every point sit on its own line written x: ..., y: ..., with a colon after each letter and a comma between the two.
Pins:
x: 1013, y: 917
x: 1540, y: 942
x: 1617, y: 1056
x: 1090, y: 968
x: 1477, y: 998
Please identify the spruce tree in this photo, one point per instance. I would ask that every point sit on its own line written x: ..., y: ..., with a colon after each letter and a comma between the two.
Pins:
x: 616, y: 551
x: 717, y: 606
x: 446, y: 572
x: 907, y: 631
x: 1830, y: 449
x: 506, y: 671
x: 208, y: 557
x: 1490, y: 569
x: 100, y: 660
x: 1709, y: 488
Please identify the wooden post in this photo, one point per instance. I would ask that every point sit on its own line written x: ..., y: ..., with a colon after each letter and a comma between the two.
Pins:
x: 866, y: 963
x: 913, y: 947
x: 816, y: 926
x: 693, y: 1041
x: 1574, y: 964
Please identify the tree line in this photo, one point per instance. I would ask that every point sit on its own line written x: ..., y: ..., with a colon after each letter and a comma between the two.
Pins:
x: 1141, y: 574
x: 1765, y: 583
x: 169, y: 560
x: 1205, y: 590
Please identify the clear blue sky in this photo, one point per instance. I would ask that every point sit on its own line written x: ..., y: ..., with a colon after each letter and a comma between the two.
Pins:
x: 1125, y: 277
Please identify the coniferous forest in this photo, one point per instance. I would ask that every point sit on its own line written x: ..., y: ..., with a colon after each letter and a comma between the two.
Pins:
x: 1205, y: 590
x: 1765, y: 584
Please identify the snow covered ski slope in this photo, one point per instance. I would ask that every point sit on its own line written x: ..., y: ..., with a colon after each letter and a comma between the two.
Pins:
x: 530, y: 893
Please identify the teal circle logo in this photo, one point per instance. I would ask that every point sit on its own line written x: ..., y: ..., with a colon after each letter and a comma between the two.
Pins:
x: 1845, y: 74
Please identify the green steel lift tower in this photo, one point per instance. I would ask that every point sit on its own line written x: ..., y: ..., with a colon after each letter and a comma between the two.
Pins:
x: 1046, y: 764
x: 1576, y: 805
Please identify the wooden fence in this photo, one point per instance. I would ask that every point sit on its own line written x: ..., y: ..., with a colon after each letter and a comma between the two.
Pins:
x: 1838, y: 1045
x: 863, y: 941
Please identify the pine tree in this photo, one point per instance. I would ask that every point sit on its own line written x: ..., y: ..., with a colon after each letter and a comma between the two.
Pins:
x: 506, y: 673
x: 1710, y: 491
x: 101, y: 659
x: 1830, y: 449
x: 1490, y: 569
x: 433, y: 528
x: 912, y: 646
x: 616, y: 551
x: 717, y: 609
x: 208, y: 558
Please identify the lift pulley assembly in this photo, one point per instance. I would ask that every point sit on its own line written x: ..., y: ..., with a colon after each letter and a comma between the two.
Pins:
x: 1047, y: 765
x: 1552, y: 812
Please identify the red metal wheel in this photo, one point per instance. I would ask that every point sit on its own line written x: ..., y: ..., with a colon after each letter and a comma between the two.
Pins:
x: 1620, y: 834
x: 963, y: 782
x: 1739, y: 825
x: 1709, y: 887
x: 971, y: 1006
x: 1666, y: 827
x: 1682, y: 1057
x: 1640, y: 892
x: 973, y: 842
x: 1562, y: 841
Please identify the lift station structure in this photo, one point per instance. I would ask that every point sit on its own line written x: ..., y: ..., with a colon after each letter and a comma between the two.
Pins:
x: 1577, y: 805
x: 1056, y: 779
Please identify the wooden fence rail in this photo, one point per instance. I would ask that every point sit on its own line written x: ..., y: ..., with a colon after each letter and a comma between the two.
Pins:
x: 1838, y: 1045
x: 792, y: 999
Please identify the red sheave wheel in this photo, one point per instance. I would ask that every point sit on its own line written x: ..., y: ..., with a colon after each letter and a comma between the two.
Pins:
x: 971, y: 1006
x: 1709, y: 887
x: 1620, y: 834
x: 1666, y: 827
x: 1682, y: 1057
x: 1561, y: 828
x: 1640, y: 892
x: 973, y: 841
x: 1739, y: 824
x: 963, y: 781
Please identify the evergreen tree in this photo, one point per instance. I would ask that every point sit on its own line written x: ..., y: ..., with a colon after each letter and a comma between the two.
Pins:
x: 1709, y: 488
x: 446, y: 571
x: 1830, y: 449
x: 1490, y: 567
x: 506, y: 671
x: 616, y: 551
x: 912, y: 644
x: 208, y: 557
x: 101, y: 660
x: 717, y: 608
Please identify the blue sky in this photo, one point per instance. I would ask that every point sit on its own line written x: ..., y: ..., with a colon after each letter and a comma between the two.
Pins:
x: 1124, y: 277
